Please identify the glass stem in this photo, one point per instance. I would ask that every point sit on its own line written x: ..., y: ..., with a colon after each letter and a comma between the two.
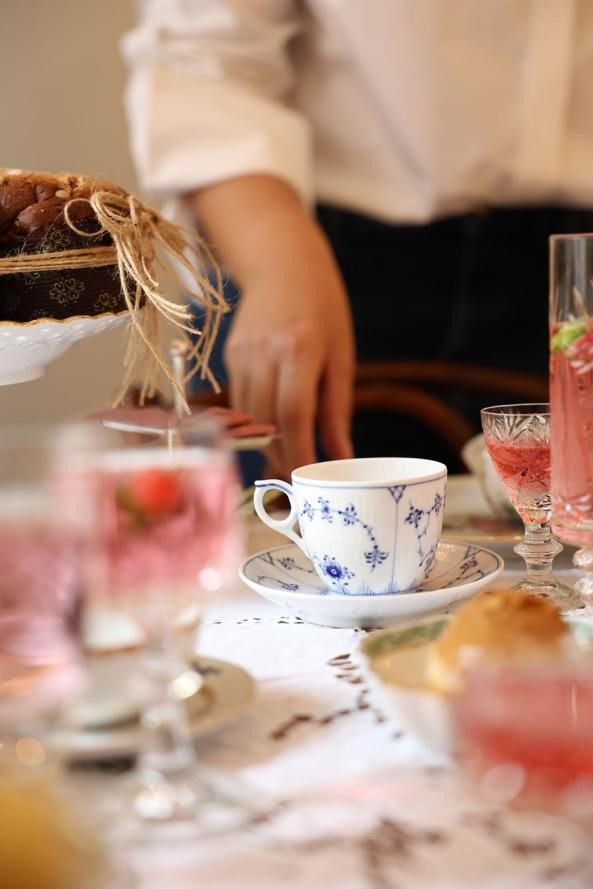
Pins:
x: 168, y: 754
x: 539, y: 549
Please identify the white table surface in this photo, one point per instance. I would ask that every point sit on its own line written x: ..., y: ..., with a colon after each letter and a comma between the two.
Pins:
x: 354, y: 803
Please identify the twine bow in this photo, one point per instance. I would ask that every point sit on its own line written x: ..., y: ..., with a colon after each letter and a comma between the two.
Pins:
x: 144, y: 241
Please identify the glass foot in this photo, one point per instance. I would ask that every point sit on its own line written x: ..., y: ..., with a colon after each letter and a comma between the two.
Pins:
x: 565, y: 597
x: 173, y: 811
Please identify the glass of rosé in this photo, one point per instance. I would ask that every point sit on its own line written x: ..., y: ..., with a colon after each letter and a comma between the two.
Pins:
x: 517, y: 437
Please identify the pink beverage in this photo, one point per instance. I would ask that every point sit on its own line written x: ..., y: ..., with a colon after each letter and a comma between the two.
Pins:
x: 531, y: 730
x: 571, y: 401
x: 523, y: 466
x: 40, y: 587
x: 166, y: 530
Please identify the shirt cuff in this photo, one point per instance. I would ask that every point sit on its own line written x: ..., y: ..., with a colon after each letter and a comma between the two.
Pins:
x: 187, y: 132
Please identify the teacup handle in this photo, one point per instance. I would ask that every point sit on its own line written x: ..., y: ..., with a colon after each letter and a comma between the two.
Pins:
x: 283, y: 526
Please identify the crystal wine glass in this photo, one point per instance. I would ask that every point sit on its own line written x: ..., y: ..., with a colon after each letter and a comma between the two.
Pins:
x: 166, y: 540
x: 571, y: 396
x: 517, y: 437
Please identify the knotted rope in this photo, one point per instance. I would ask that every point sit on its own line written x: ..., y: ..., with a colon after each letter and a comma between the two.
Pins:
x: 144, y: 242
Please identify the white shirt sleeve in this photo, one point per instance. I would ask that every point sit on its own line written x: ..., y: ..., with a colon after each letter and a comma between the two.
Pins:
x: 208, y: 96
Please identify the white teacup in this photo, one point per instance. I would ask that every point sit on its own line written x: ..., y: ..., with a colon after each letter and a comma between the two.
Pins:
x: 370, y: 526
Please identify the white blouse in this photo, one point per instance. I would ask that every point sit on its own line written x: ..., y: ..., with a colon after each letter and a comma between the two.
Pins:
x: 405, y: 110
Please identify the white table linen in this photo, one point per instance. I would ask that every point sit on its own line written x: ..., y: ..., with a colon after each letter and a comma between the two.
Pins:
x: 351, y: 801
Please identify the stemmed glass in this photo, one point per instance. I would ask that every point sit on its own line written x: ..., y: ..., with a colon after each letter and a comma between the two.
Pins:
x: 571, y: 396
x: 166, y: 540
x: 45, y: 838
x: 517, y: 437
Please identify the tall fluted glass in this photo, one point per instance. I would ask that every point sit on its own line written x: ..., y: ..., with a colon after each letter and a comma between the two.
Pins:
x: 571, y: 396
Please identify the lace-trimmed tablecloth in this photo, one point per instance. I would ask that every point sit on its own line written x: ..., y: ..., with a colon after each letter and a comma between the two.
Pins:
x: 352, y: 802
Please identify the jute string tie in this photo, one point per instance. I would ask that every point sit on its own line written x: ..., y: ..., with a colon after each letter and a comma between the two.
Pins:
x: 144, y: 244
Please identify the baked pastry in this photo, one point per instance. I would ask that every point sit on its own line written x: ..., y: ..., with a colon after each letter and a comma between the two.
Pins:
x: 34, y: 815
x: 499, y: 626
x: 33, y: 221
x: 75, y: 246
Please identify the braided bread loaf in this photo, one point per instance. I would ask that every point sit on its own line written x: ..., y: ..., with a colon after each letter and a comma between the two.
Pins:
x: 32, y: 220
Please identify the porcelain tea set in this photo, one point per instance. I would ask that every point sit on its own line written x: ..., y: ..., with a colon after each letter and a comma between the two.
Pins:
x: 369, y: 549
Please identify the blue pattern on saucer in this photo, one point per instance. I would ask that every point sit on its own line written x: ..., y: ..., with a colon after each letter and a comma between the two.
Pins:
x: 453, y: 564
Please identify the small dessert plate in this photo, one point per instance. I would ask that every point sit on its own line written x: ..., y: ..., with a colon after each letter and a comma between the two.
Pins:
x: 285, y: 576
x: 240, y: 434
x: 394, y: 662
x: 226, y: 691
x: 469, y: 519
x: 482, y: 529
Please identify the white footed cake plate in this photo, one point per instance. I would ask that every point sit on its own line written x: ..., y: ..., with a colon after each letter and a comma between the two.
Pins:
x: 285, y: 576
x: 26, y: 348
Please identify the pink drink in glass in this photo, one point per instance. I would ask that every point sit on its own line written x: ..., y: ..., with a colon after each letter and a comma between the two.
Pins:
x: 524, y: 468
x: 40, y: 587
x: 166, y: 530
x: 571, y: 400
x: 517, y: 437
x: 533, y: 731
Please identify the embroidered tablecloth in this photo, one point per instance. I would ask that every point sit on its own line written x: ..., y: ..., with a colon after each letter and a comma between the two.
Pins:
x: 350, y: 800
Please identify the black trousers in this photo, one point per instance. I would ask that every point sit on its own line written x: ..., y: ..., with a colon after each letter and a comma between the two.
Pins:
x: 471, y: 288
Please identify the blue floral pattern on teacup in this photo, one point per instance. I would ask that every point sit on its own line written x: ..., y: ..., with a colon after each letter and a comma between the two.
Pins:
x: 364, y: 537
x: 348, y: 516
x: 340, y: 575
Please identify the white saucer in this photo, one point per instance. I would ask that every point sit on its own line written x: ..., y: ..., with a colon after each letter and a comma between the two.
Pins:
x: 226, y: 692
x: 285, y: 576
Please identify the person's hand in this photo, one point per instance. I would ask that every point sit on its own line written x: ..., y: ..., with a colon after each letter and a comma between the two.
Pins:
x: 290, y: 361
x: 290, y: 353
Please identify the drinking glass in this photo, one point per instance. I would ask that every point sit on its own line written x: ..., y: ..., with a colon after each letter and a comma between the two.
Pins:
x: 48, y: 836
x: 42, y: 550
x: 166, y: 540
x: 571, y: 396
x: 525, y: 735
x: 517, y: 437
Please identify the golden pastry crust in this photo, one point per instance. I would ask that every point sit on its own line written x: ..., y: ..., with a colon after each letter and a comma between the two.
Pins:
x: 500, y: 626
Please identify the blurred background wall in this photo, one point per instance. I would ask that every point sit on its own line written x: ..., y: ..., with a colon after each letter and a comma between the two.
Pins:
x: 61, y: 110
